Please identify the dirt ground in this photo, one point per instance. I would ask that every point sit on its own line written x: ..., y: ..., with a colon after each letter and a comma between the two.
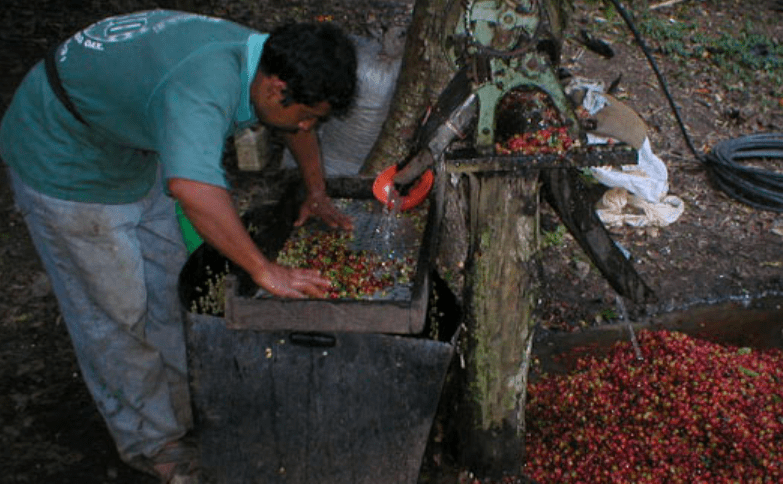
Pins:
x: 718, y: 250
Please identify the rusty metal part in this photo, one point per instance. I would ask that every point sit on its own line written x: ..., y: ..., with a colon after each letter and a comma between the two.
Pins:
x: 500, y: 29
x: 530, y: 71
x: 413, y: 170
x: 497, y: 43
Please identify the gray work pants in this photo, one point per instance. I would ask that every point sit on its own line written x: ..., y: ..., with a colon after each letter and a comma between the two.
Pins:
x: 114, y: 270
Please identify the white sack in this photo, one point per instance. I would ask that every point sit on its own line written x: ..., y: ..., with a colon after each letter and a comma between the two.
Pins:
x: 345, y: 143
x: 647, y: 179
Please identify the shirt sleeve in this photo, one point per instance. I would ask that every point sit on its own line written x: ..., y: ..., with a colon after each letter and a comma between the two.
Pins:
x: 192, y: 114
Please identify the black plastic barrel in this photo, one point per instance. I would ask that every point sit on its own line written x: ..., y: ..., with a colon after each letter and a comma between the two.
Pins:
x: 308, y: 406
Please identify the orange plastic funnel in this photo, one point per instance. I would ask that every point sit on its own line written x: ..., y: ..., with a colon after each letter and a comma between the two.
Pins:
x: 384, y: 184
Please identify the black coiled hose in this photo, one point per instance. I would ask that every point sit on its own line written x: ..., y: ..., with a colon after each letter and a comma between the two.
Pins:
x: 758, y: 188
x: 762, y: 189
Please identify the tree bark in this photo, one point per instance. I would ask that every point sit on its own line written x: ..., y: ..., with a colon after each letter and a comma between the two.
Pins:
x: 498, y: 301
x: 424, y: 72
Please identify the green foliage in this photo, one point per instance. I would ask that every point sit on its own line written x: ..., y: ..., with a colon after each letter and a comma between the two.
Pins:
x: 671, y: 36
x: 587, y: 176
x: 740, y: 57
x: 608, y: 9
x: 555, y: 237
x: 608, y: 314
x: 743, y: 55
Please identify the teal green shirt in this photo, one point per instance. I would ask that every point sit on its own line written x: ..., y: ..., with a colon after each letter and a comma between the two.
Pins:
x: 154, y: 87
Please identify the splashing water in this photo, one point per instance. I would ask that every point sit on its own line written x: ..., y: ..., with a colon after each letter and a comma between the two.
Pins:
x: 386, y: 234
x: 389, y: 225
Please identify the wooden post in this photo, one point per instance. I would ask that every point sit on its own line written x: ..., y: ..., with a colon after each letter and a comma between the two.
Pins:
x: 499, y: 296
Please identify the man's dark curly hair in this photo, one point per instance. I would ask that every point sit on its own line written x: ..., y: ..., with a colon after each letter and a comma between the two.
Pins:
x: 316, y: 61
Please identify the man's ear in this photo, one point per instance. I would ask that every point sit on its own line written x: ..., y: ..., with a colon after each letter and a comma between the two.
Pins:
x: 276, y: 88
x: 270, y: 88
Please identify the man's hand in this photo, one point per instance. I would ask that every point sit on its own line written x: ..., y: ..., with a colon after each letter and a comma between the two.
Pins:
x: 304, y: 147
x: 294, y: 283
x: 210, y: 208
x: 321, y: 206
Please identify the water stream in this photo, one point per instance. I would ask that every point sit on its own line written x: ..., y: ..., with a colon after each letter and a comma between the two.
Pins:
x: 387, y: 232
x: 622, y: 314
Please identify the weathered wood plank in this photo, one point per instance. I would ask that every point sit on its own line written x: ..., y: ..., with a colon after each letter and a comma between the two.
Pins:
x: 499, y: 298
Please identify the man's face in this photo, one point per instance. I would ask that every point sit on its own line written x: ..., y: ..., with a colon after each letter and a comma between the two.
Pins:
x: 294, y: 117
x: 267, y: 94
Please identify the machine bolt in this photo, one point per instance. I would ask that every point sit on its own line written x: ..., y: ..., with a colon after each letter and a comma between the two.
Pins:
x: 524, y: 7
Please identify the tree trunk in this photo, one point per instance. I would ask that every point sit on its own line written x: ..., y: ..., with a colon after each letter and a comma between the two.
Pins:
x: 424, y: 72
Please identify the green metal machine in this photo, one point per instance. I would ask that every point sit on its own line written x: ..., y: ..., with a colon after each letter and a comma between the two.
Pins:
x: 507, y: 45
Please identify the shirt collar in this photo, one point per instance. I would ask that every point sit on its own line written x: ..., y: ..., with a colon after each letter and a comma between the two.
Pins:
x: 254, y: 47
